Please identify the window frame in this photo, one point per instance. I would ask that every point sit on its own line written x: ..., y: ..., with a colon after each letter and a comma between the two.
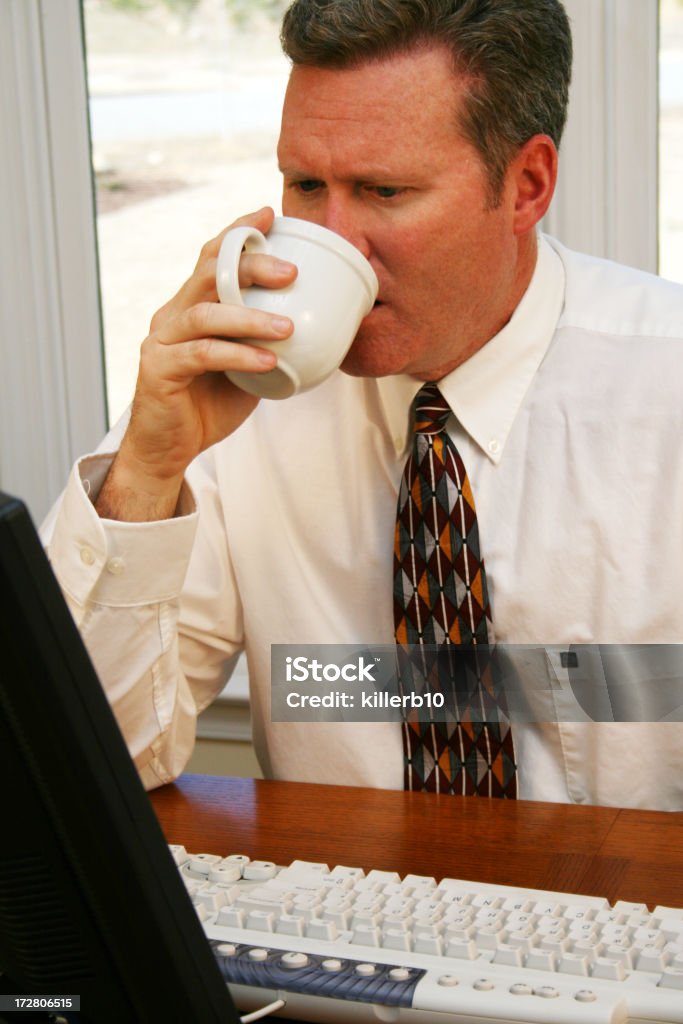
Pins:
x: 52, y: 386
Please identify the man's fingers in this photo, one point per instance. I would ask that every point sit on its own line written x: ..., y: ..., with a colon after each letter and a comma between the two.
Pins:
x: 254, y: 269
x: 186, y: 360
x: 266, y: 271
x: 261, y: 219
x: 207, y: 338
x: 211, y: 319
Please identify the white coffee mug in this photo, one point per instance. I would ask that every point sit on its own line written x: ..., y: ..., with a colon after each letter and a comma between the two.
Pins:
x: 334, y: 289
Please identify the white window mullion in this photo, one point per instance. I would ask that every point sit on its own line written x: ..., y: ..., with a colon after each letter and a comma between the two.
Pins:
x: 51, y: 384
x: 606, y: 200
x: 634, y: 228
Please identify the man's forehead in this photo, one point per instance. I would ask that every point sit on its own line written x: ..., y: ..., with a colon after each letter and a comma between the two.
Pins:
x: 371, y: 104
x: 372, y: 86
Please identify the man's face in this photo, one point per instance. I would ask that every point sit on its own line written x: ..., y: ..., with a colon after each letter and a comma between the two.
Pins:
x: 373, y: 153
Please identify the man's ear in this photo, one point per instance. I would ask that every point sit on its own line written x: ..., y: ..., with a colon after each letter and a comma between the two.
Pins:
x: 533, y: 174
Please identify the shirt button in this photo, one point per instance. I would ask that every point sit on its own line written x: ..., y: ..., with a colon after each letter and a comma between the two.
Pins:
x: 115, y: 566
x: 398, y: 444
x: 87, y: 555
x: 493, y: 446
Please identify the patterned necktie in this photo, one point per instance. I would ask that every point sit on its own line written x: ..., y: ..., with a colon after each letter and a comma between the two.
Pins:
x: 441, y: 598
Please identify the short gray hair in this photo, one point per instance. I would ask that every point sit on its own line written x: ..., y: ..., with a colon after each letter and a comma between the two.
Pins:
x: 514, y: 57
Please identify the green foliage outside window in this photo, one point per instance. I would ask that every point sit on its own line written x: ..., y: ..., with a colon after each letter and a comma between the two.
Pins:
x: 241, y: 11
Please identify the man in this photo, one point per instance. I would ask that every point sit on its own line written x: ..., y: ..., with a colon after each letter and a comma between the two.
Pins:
x: 426, y: 133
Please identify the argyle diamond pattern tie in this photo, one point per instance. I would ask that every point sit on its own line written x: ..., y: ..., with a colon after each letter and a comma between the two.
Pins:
x: 441, y: 603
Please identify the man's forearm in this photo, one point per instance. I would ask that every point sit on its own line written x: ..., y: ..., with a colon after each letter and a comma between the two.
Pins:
x: 132, y: 497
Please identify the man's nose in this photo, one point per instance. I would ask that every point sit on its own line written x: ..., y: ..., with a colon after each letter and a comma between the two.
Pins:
x: 345, y: 217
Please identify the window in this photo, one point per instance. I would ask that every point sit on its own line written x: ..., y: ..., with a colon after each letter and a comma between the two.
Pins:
x: 185, y: 100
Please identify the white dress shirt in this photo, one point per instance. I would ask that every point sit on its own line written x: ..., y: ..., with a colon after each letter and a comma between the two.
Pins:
x: 569, y: 422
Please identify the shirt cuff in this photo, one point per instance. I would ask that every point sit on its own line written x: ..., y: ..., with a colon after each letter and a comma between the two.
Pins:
x: 115, y: 563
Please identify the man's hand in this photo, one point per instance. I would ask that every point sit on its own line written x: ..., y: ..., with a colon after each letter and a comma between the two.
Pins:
x: 183, y: 401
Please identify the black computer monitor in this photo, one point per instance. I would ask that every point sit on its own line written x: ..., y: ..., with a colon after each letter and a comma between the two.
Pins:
x: 91, y: 903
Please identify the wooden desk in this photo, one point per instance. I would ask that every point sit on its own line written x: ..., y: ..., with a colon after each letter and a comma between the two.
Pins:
x: 601, y: 851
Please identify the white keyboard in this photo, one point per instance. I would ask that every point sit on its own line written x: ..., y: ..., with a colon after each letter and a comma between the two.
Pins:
x: 345, y: 945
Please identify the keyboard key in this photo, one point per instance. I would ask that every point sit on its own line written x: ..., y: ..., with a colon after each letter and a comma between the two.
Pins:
x: 421, y: 881
x: 262, y: 899
x: 615, y: 932
x: 261, y: 921
x: 552, y: 926
x: 231, y: 917
x: 651, y: 958
x: 490, y: 936
x: 547, y: 992
x: 515, y: 905
x: 485, y: 900
x: 547, y: 909
x: 672, y: 928
x: 453, y: 898
x: 345, y: 874
x: 259, y: 870
x: 212, y: 897
x: 225, y: 873
x: 431, y: 945
x: 238, y: 858
x: 672, y: 977
x: 622, y: 952
x: 395, y: 938
x: 573, y: 963
x: 400, y: 974
x: 367, y: 935
x: 461, y: 949
x: 518, y: 919
x: 538, y: 959
x: 339, y: 916
x: 319, y: 929
x: 608, y: 967
x: 461, y: 932
x: 399, y: 905
x: 579, y: 913
x: 511, y: 956
x: 523, y: 938
x: 332, y: 965
x: 520, y: 989
x: 383, y: 877
x: 179, y: 853
x: 294, y: 961
x: 624, y: 907
x: 555, y: 943
x: 290, y: 924
x: 201, y: 863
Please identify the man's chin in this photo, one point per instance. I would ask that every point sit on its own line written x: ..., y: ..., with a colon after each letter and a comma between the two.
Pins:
x: 365, y: 364
x: 372, y: 355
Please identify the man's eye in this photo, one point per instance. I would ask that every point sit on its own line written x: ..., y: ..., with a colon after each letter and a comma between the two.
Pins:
x: 307, y: 185
x: 386, y: 191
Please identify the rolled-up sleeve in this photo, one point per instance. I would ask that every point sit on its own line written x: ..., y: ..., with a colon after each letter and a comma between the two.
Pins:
x: 123, y: 584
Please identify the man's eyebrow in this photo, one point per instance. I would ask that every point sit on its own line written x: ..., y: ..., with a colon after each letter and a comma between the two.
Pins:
x: 367, y: 177
x: 294, y: 172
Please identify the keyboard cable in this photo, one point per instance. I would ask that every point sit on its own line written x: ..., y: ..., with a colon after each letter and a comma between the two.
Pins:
x: 258, y: 1014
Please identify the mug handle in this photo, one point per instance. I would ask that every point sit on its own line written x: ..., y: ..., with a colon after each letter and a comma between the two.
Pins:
x: 227, y: 268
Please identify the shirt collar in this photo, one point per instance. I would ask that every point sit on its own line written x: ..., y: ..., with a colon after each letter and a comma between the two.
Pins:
x: 486, y: 392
